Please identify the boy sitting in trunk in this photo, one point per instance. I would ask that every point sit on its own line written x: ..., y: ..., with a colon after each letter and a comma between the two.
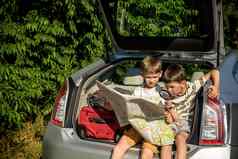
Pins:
x: 180, y: 108
x: 151, y: 73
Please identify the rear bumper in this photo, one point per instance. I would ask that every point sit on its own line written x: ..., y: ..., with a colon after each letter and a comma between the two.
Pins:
x: 61, y: 143
x: 203, y: 152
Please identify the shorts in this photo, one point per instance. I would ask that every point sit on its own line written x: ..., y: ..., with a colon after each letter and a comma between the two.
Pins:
x: 133, y: 138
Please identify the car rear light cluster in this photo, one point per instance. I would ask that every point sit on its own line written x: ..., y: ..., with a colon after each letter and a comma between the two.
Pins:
x: 213, y: 122
x: 59, y: 109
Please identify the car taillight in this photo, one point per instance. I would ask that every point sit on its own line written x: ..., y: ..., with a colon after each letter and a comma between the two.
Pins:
x: 58, y: 114
x: 213, y: 126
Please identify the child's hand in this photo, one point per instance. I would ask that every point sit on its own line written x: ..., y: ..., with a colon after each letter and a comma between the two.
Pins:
x: 173, y: 114
x: 168, y: 117
x: 213, y: 92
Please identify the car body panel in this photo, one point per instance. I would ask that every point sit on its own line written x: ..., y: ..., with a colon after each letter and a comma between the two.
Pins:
x: 88, y: 70
x: 67, y: 144
x: 179, y: 57
x: 229, y: 94
x: 229, y: 78
x: 61, y: 143
x: 222, y: 152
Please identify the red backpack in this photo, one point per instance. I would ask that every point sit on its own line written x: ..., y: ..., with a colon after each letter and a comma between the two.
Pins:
x: 96, y: 122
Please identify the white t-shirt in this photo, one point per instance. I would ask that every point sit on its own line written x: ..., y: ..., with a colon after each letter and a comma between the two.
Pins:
x: 148, y: 93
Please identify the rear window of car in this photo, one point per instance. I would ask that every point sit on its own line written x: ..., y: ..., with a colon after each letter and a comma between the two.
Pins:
x: 164, y: 18
x: 161, y: 24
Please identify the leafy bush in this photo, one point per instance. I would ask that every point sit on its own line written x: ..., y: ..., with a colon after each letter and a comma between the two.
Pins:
x: 24, y: 143
x: 42, y: 43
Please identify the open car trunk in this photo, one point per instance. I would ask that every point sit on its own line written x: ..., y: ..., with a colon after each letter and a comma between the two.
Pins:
x: 187, y: 29
x: 96, y: 122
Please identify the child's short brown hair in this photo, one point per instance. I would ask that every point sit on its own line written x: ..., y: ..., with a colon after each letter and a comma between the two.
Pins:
x: 150, y: 65
x: 174, y: 73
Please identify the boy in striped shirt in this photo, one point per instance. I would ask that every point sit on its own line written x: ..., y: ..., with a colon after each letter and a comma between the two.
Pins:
x: 180, y: 108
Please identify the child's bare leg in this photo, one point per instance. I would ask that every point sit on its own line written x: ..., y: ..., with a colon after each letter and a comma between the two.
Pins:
x: 166, y: 152
x: 147, y: 153
x: 129, y: 139
x: 148, y: 150
x: 181, y: 145
x: 121, y: 148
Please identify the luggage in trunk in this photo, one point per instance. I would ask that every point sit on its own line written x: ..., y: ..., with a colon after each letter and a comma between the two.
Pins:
x: 96, y: 122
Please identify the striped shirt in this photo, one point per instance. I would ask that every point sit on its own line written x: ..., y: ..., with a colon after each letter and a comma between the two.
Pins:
x: 184, y: 105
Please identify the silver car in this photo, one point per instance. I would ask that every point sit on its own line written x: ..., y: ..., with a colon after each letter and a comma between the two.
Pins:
x: 214, y: 129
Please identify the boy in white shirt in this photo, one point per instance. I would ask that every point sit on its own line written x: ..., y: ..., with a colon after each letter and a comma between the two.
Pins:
x: 151, y: 73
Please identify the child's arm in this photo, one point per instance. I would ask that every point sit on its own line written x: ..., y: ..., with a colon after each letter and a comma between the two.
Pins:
x: 170, y: 116
x: 213, y: 75
x: 170, y: 113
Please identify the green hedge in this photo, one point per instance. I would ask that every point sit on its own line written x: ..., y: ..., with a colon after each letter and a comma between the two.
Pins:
x: 42, y: 43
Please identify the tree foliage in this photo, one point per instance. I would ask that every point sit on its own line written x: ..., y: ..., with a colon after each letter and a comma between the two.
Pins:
x: 157, y: 18
x: 42, y: 43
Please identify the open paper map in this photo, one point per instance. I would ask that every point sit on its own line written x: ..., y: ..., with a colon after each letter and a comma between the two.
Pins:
x: 143, y: 114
